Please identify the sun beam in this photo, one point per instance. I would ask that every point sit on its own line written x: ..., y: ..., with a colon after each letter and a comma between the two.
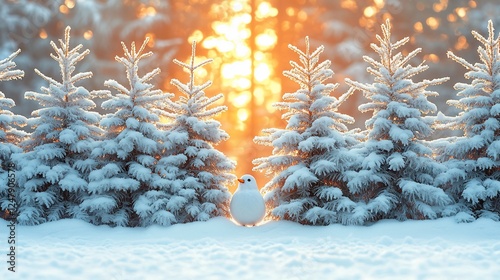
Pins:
x: 244, y: 70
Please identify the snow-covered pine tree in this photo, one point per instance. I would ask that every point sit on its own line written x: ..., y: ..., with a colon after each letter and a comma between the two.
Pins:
x: 396, y: 175
x: 311, y: 154
x: 198, y: 172
x: 473, y: 160
x: 53, y: 171
x: 130, y: 149
x: 10, y: 137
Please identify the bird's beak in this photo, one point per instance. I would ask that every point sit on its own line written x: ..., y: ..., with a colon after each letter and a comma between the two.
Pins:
x: 241, y: 180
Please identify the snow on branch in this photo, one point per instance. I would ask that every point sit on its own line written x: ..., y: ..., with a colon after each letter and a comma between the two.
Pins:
x: 9, y: 136
x: 6, y: 66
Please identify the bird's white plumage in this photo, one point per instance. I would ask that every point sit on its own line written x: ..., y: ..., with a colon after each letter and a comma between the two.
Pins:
x: 247, y: 204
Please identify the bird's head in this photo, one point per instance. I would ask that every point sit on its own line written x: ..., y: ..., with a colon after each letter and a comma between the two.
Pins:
x: 247, y: 182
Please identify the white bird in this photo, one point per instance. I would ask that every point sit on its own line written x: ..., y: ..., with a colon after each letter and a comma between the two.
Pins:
x: 247, y: 204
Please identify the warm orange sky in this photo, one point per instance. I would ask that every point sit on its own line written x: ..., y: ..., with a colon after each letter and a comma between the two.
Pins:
x: 248, y: 39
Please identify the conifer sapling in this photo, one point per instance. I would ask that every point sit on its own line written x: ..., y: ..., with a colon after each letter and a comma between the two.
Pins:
x: 473, y: 161
x: 129, y: 152
x: 395, y: 178
x: 53, y: 171
x: 311, y: 153
x: 200, y: 173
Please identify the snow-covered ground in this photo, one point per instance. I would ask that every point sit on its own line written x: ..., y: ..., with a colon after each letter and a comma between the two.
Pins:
x: 219, y: 249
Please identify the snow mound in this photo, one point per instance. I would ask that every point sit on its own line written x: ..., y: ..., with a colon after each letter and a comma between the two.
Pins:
x: 220, y: 249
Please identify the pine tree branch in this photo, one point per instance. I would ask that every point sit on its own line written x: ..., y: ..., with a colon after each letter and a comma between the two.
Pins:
x: 150, y: 75
x: 365, y: 88
x: 343, y: 98
x: 209, y: 101
x: 6, y: 65
x: 210, y: 112
x: 48, y: 79
x: 462, y: 61
x: 119, y: 87
x: 80, y: 76
x: 410, y: 56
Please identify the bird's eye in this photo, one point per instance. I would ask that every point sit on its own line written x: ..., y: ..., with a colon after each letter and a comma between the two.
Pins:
x: 249, y: 180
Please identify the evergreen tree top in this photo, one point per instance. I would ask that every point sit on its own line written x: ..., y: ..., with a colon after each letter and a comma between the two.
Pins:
x: 394, y: 96
x: 482, y: 92
x: 140, y: 100
x: 489, y: 54
x: 313, y: 121
x: 65, y: 91
x: 314, y: 99
x: 67, y: 59
x: 131, y: 60
x: 64, y: 115
x: 393, y: 68
x: 310, y: 73
x: 194, y: 102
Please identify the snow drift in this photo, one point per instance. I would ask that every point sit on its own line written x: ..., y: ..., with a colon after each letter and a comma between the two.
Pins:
x: 219, y: 249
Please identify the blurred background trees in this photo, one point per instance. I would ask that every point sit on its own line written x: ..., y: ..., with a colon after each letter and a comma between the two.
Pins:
x: 248, y: 41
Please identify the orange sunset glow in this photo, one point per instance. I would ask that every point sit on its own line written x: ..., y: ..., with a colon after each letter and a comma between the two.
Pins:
x: 243, y: 68
x: 250, y: 139
x: 248, y: 58
x: 248, y: 43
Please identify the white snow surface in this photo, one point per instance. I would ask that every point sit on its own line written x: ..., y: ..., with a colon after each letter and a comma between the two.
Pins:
x: 220, y: 249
